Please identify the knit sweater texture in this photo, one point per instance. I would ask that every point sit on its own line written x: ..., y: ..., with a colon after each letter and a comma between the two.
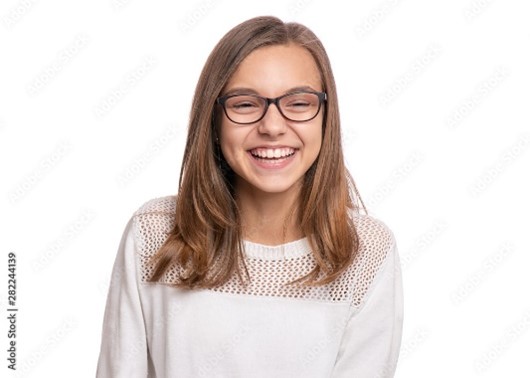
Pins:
x: 351, y: 327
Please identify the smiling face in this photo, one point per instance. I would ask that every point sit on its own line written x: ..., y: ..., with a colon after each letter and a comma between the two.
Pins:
x: 273, y: 154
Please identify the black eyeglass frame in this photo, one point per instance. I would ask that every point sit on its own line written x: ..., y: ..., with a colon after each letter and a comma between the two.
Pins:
x: 322, y: 97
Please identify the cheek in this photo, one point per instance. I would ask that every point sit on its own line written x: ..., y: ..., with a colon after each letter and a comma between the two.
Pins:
x: 317, y: 146
x: 313, y: 143
x: 231, y: 143
x: 318, y: 135
x: 313, y: 136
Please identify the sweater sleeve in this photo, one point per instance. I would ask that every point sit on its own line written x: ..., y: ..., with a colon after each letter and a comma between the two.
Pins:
x: 123, y: 343
x: 372, y: 337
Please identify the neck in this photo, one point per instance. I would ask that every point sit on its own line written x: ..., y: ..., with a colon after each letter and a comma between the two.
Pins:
x: 268, y: 218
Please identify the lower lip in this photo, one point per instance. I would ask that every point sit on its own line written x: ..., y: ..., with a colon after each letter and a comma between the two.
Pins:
x: 272, y: 163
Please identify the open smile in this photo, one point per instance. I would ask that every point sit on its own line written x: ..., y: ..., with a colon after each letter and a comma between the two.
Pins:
x: 272, y: 158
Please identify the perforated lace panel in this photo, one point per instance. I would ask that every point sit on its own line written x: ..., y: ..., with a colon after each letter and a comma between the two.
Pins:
x: 269, y: 273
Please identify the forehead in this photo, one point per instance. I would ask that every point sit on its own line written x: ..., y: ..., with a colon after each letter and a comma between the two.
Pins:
x: 273, y: 70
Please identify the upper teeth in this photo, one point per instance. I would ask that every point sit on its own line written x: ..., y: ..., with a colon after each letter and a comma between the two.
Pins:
x: 272, y: 152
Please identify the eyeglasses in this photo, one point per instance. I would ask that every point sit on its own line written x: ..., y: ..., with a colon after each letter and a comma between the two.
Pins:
x: 250, y: 108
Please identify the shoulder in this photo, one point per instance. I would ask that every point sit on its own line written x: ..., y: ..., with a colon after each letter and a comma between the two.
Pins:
x: 374, y: 235
x: 152, y: 222
x: 377, y: 245
x: 160, y: 206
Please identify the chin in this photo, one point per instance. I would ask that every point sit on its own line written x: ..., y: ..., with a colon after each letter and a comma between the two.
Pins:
x: 276, y: 187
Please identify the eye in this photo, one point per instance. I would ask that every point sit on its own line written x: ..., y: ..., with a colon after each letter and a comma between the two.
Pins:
x: 244, y: 104
x: 298, y: 104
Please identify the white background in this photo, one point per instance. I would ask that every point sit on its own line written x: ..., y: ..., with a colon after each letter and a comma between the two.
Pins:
x: 434, y: 99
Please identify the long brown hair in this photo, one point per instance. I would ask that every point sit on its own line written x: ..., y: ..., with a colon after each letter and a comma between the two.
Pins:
x: 205, y: 240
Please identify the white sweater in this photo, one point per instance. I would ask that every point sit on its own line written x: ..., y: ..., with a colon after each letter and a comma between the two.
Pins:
x: 349, y: 328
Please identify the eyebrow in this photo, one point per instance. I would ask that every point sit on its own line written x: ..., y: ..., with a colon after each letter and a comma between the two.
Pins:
x: 244, y: 90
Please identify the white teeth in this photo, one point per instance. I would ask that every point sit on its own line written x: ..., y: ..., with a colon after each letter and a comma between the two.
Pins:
x: 270, y: 153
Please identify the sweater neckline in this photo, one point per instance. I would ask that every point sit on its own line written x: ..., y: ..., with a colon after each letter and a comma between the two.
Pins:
x: 289, y: 250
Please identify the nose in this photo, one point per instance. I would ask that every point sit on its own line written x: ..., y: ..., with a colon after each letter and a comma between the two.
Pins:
x: 273, y: 122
